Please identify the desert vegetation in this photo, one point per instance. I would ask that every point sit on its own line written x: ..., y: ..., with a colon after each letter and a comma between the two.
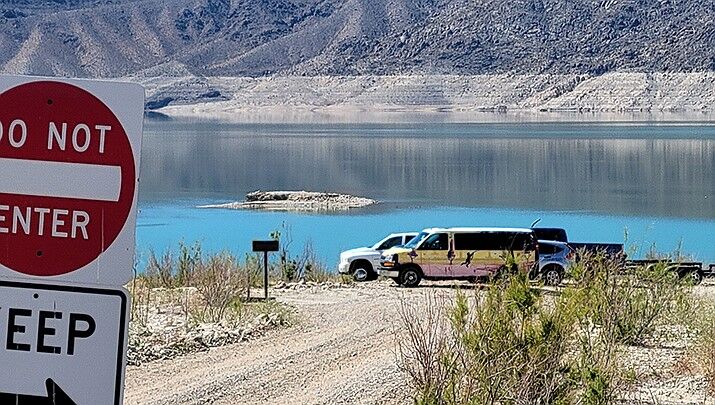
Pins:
x: 189, y: 300
x: 513, y: 342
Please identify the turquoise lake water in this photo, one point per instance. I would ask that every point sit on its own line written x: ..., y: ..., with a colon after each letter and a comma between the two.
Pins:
x: 655, y: 181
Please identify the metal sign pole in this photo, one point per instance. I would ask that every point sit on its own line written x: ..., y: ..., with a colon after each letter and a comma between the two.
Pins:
x: 265, y: 274
x: 265, y: 246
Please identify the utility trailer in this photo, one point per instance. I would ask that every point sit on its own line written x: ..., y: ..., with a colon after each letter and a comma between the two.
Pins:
x: 695, y: 270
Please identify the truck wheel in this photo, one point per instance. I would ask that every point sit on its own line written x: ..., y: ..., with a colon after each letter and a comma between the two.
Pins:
x: 552, y: 275
x: 410, y: 276
x: 362, y: 271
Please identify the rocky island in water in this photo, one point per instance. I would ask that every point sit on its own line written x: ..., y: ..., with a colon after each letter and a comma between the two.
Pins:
x: 297, y: 201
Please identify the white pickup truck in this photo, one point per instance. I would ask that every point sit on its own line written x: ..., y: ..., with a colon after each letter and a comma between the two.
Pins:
x: 362, y: 262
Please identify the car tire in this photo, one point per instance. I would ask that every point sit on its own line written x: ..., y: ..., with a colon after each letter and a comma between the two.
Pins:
x: 362, y: 271
x: 410, y: 276
x: 552, y: 275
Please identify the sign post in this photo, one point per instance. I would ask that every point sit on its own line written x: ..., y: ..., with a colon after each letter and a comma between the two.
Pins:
x: 62, y: 339
x: 265, y: 246
x: 70, y: 152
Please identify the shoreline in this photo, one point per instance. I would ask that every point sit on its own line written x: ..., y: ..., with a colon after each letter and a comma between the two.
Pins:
x: 629, y: 95
x: 284, y: 115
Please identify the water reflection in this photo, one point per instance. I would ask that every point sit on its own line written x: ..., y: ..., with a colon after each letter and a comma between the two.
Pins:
x: 618, y: 169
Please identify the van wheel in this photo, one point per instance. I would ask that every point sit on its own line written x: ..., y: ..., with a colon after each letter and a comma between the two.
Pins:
x: 502, y: 273
x: 410, y: 277
x: 362, y: 271
x: 552, y: 275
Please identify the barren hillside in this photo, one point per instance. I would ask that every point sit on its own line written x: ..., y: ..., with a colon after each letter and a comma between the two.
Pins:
x: 110, y: 38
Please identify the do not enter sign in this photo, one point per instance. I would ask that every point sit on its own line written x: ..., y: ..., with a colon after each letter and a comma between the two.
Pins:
x: 69, y: 161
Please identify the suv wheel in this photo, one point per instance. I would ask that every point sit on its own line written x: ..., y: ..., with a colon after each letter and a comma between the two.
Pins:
x: 552, y: 275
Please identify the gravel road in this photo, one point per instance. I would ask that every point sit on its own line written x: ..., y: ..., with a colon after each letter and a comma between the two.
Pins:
x: 341, y: 351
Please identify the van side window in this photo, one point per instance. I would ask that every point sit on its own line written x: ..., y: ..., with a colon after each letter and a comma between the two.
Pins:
x: 408, y: 238
x: 516, y: 241
x: 473, y: 241
x: 503, y: 241
x: 392, y: 242
x: 522, y: 242
x: 556, y: 234
x: 438, y: 241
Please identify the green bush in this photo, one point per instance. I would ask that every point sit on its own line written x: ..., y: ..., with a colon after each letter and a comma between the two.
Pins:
x: 628, y: 304
x: 512, y: 344
x: 503, y: 347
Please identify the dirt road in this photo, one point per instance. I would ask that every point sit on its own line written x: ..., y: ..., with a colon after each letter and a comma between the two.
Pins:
x: 340, y: 351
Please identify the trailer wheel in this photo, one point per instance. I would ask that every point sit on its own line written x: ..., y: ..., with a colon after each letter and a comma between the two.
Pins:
x: 695, y: 276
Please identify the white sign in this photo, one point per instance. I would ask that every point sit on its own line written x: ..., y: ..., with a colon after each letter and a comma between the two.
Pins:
x: 69, y: 158
x: 62, y: 341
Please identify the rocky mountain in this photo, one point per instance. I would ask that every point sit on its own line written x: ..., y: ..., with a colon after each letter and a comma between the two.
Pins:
x: 112, y: 38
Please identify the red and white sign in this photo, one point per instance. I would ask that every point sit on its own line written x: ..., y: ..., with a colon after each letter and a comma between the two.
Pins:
x: 69, y: 164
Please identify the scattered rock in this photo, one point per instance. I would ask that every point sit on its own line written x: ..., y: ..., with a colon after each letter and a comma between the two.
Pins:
x: 162, y: 329
x: 310, y: 285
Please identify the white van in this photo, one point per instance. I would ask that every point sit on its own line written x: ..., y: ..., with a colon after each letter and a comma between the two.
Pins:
x: 460, y: 253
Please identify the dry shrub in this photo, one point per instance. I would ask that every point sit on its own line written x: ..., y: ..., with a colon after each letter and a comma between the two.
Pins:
x: 306, y: 266
x: 169, y: 272
x: 702, y: 352
x: 160, y: 270
x: 206, y: 287
x: 628, y: 304
x: 141, y: 299
x: 220, y: 281
x: 500, y: 347
x: 421, y: 345
x: 512, y: 345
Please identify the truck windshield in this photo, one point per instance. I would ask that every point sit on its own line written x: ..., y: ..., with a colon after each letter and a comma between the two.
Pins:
x: 412, y: 244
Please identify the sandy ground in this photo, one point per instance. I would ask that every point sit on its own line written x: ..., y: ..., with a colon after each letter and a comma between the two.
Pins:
x: 342, y: 351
